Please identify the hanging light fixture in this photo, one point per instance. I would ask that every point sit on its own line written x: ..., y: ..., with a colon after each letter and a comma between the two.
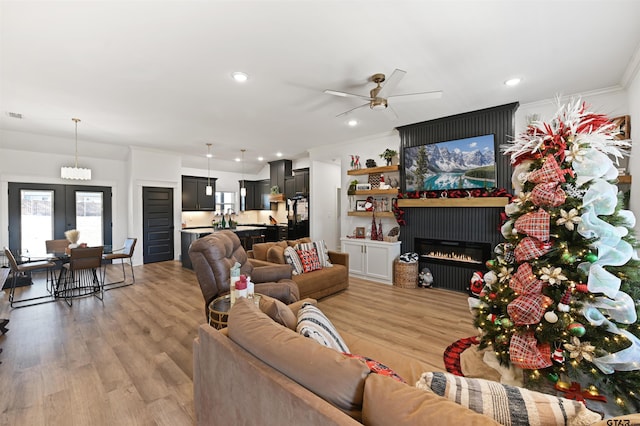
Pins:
x: 243, y: 190
x: 209, y: 189
x: 75, y: 172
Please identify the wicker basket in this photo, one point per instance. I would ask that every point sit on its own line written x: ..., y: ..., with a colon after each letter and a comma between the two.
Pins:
x: 405, y: 275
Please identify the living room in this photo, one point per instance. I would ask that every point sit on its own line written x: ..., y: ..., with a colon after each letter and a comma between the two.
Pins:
x: 121, y: 150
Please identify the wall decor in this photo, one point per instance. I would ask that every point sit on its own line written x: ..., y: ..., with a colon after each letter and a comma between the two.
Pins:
x: 361, y: 205
x: 456, y: 164
x: 360, y: 232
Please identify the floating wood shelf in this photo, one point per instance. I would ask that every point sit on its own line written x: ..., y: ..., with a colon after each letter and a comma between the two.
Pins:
x: 276, y: 198
x: 454, y: 202
x: 372, y: 170
x: 368, y: 214
x: 624, y: 179
x: 392, y: 191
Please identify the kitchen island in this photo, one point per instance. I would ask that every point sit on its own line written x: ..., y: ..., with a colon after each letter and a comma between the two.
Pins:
x: 189, y: 235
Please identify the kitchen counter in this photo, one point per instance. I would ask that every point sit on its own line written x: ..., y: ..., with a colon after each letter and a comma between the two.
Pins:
x: 189, y: 235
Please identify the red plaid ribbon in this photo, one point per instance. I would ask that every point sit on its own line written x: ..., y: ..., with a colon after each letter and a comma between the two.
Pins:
x: 534, y: 224
x: 531, y: 248
x: 548, y: 194
x: 549, y: 172
x: 525, y: 352
x: 528, y: 308
x: 524, y: 281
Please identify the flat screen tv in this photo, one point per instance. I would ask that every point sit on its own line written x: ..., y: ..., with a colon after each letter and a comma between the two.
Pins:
x: 458, y: 164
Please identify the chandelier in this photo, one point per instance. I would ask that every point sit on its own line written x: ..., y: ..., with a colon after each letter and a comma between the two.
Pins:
x: 75, y: 172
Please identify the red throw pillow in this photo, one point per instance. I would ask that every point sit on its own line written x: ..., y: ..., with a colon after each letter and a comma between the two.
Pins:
x: 376, y: 367
x: 309, y: 259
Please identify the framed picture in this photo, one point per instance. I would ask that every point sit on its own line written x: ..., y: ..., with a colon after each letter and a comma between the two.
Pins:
x: 360, y: 232
x: 623, y: 126
x: 360, y: 205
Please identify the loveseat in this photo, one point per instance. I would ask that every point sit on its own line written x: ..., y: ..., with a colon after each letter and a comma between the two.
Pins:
x: 315, y: 284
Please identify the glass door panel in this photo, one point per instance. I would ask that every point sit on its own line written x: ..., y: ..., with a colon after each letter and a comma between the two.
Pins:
x: 89, y: 217
x: 36, y: 220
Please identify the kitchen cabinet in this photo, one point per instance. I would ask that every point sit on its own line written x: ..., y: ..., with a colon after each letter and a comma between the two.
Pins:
x: 258, y: 192
x: 194, y: 193
x: 278, y: 171
x: 370, y: 259
x: 297, y: 184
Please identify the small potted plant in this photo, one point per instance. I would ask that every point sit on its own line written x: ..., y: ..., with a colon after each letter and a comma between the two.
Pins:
x: 352, y: 187
x: 389, y: 155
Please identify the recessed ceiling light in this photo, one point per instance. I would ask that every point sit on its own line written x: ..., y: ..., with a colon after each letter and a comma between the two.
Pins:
x: 278, y: 154
x: 352, y: 122
x: 260, y: 158
x: 238, y: 159
x: 512, y: 82
x: 240, y: 77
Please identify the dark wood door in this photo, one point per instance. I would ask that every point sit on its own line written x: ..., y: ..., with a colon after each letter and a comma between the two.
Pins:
x: 157, y: 229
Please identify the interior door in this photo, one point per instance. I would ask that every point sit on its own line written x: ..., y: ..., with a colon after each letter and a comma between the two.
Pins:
x: 157, y: 219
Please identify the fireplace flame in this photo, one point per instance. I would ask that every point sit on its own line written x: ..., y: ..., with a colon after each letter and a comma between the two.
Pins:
x: 457, y: 257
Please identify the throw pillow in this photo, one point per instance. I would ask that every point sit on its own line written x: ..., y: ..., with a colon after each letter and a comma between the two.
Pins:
x: 309, y: 260
x: 321, y: 248
x: 278, y: 311
x: 507, y: 404
x: 276, y: 255
x: 291, y: 257
x: 314, y: 324
x: 377, y: 367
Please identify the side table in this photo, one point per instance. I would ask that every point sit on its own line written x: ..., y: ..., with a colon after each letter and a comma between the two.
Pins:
x: 219, y: 310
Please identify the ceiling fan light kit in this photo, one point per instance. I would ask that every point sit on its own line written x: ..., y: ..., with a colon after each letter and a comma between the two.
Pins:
x: 378, y: 98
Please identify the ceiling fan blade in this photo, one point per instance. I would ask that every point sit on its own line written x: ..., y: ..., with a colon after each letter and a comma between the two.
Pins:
x: 390, y: 113
x: 416, y: 96
x: 346, y: 95
x: 391, y: 83
x: 352, y: 109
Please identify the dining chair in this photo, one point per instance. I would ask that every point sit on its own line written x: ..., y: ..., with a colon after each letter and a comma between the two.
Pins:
x: 55, y: 247
x: 18, y: 269
x: 80, y: 275
x: 122, y: 254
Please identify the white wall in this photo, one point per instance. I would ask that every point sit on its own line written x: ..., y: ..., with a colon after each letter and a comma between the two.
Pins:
x: 324, y: 184
x: 634, y: 162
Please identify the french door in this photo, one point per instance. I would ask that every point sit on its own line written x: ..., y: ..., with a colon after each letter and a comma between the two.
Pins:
x: 40, y: 212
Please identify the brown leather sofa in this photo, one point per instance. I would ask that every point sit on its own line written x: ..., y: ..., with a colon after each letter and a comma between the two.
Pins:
x: 213, y: 256
x: 316, y: 284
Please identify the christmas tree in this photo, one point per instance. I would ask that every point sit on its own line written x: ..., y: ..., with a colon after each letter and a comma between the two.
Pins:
x: 562, y: 294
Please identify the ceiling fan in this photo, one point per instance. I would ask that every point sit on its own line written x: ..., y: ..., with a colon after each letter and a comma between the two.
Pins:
x: 379, y: 96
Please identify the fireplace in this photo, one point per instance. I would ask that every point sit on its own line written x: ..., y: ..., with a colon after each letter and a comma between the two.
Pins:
x: 464, y: 254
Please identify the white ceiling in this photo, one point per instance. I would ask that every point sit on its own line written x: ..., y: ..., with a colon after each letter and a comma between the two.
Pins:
x: 156, y: 74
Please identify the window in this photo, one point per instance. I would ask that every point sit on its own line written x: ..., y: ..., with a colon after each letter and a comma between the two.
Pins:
x: 225, y: 201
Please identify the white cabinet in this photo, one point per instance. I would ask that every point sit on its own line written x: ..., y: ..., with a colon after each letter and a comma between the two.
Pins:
x: 371, y: 259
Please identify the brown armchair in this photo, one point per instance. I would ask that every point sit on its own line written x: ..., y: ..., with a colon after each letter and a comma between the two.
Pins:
x: 214, y: 255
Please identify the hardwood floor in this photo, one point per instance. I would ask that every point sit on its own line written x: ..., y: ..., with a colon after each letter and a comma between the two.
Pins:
x: 128, y: 360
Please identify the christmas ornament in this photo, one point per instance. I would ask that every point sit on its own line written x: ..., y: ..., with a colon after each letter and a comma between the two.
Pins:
x: 580, y: 350
x: 492, y: 296
x: 552, y: 276
x: 490, y: 263
x: 563, y: 306
x: 506, y: 322
x: 562, y: 386
x: 590, y: 257
x: 502, y: 338
x: 476, y: 283
x: 553, y: 377
x: 558, y: 356
x: 551, y: 317
x: 569, y: 219
x: 490, y: 278
x: 568, y: 258
x: 576, y: 329
x: 504, y: 273
x: 491, y: 318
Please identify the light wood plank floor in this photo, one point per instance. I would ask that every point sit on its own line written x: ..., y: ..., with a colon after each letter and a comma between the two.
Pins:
x: 128, y: 360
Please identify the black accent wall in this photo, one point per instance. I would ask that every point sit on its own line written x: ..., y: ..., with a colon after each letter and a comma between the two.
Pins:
x: 478, y: 224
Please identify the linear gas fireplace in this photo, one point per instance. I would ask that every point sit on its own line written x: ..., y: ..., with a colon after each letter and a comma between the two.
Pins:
x: 455, y: 253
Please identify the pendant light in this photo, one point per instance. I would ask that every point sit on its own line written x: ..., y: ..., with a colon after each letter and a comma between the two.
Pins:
x: 209, y: 189
x: 243, y: 190
x: 75, y: 172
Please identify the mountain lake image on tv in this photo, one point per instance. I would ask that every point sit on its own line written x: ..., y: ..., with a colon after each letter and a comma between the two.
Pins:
x: 458, y: 164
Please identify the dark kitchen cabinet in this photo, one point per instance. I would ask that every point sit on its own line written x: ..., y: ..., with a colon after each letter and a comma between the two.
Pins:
x: 289, y: 186
x: 297, y: 184
x: 279, y: 170
x: 194, y: 193
x: 257, y: 197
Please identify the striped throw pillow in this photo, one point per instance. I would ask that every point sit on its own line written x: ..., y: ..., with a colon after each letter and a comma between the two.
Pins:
x: 508, y: 405
x: 314, y: 324
x: 291, y: 257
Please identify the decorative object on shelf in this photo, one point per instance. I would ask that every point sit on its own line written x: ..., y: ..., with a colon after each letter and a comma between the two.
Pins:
x: 369, y: 204
x: 352, y: 187
x: 374, y: 180
x: 371, y: 163
x: 360, y: 205
x: 75, y: 172
x: 388, y: 155
x: 363, y: 186
x: 360, y: 232
x: 355, y: 162
x: 374, y: 229
x: 393, y: 235
x: 380, y: 233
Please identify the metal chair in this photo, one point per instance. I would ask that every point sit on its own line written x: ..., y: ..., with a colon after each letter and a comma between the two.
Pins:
x: 79, y: 277
x: 123, y: 254
x: 23, y: 268
x: 55, y: 247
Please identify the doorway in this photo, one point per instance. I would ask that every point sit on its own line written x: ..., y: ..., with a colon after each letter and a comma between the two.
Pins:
x: 157, y: 220
x: 40, y: 212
